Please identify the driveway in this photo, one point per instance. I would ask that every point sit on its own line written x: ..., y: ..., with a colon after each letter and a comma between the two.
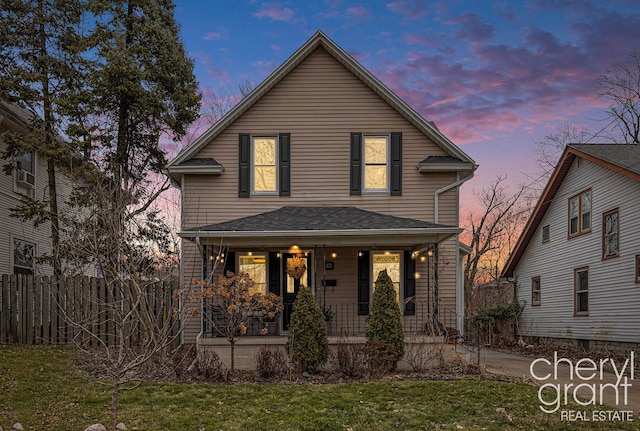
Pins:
x: 588, y: 379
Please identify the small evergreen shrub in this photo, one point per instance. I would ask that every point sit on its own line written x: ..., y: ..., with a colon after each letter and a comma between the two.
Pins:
x: 384, y: 325
x: 307, y: 339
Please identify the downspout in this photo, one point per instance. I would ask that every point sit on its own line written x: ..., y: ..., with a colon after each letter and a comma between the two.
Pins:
x: 459, y: 287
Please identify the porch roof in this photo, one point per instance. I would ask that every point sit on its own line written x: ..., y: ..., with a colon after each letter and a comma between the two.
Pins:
x: 306, y: 226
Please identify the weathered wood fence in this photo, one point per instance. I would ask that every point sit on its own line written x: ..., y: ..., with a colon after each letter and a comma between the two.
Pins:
x: 85, y: 310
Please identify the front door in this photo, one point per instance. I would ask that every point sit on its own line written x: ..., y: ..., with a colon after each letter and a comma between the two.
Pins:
x: 291, y: 284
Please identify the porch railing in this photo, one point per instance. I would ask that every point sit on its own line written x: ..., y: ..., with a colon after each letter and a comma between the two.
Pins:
x: 345, y: 320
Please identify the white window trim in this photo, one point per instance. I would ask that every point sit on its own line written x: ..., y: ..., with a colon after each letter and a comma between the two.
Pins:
x: 26, y: 190
x: 366, y: 190
x: 255, y: 192
x: 35, y: 252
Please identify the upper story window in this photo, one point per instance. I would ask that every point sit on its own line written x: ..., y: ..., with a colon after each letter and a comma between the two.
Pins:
x: 580, y: 213
x: 23, y: 257
x: 610, y: 234
x: 376, y: 164
x: 24, y: 174
x: 264, y: 166
x: 546, y: 233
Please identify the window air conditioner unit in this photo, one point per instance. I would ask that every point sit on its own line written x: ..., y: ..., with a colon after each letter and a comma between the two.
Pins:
x: 25, y: 178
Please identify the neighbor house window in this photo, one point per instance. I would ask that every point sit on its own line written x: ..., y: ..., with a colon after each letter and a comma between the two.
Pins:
x: 535, y: 291
x: 638, y: 268
x: 391, y: 262
x: 23, y: 257
x: 25, y: 174
x: 610, y: 234
x: 580, y: 213
x: 256, y: 266
x: 264, y: 165
x: 581, y: 286
x: 546, y: 235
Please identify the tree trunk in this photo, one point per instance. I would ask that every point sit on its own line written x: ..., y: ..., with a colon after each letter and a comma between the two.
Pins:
x: 233, y: 345
x: 114, y: 403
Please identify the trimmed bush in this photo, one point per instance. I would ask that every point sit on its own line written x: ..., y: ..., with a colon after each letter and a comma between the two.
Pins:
x: 307, y: 339
x: 384, y: 322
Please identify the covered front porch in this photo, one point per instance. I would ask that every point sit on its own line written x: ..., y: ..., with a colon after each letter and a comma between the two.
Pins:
x: 342, y: 249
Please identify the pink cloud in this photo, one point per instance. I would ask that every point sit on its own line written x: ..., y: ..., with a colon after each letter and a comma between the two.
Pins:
x: 275, y: 12
x: 359, y: 13
x: 212, y: 35
x: 412, y: 9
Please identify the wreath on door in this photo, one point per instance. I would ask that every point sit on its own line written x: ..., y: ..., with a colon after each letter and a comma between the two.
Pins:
x: 296, y: 267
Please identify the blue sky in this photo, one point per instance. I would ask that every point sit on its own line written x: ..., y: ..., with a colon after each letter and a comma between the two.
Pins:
x: 495, y: 76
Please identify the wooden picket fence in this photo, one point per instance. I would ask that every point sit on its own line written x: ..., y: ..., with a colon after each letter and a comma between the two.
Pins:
x: 81, y: 310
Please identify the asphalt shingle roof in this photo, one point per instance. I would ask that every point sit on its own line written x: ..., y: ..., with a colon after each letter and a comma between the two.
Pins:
x: 624, y: 155
x: 319, y: 218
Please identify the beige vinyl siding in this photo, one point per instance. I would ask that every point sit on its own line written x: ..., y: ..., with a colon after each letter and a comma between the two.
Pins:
x: 320, y: 103
x: 614, y: 299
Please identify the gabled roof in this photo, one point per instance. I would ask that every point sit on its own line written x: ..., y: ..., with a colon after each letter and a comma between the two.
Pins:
x: 340, y: 223
x: 18, y: 115
x: 319, y: 39
x: 621, y: 158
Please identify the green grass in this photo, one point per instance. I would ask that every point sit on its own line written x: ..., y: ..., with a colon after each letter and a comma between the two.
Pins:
x: 48, y: 392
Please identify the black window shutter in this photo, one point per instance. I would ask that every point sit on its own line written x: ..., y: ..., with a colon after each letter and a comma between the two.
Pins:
x: 205, y: 259
x: 364, y: 283
x: 409, y: 284
x: 396, y: 164
x: 285, y: 164
x: 356, y: 163
x: 244, y: 171
x: 274, y: 273
x: 230, y: 262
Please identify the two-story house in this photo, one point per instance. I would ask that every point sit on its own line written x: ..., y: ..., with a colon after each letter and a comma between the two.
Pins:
x: 577, y: 263
x: 324, y: 164
x: 21, y: 242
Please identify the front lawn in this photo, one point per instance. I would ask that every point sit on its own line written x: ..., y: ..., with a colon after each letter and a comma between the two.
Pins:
x: 48, y: 392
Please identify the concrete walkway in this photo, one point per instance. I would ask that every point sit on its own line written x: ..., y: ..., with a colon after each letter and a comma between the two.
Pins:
x: 586, y: 378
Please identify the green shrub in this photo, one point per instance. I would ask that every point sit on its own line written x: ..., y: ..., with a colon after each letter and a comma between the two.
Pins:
x: 307, y: 339
x: 384, y: 322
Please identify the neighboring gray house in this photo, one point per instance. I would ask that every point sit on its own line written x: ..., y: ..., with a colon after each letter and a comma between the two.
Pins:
x: 577, y: 262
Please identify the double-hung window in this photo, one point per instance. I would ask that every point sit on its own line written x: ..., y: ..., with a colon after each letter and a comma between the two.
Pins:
x: 610, y: 234
x: 581, y: 289
x: 23, y: 257
x: 376, y: 164
x: 580, y: 213
x: 389, y: 261
x: 256, y: 266
x: 535, y: 291
x: 264, y: 167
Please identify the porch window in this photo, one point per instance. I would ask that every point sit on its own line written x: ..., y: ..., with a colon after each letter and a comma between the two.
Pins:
x: 256, y: 266
x: 610, y: 234
x: 391, y: 262
x: 581, y: 287
x: 23, y: 257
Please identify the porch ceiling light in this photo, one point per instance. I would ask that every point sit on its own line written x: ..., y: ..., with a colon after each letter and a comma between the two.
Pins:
x: 334, y: 255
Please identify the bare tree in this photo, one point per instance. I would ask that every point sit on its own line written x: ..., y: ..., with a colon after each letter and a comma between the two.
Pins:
x: 232, y: 305
x: 492, y: 234
x: 620, y: 89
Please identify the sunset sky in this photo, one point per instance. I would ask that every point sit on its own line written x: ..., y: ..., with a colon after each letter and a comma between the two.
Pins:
x: 496, y: 77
